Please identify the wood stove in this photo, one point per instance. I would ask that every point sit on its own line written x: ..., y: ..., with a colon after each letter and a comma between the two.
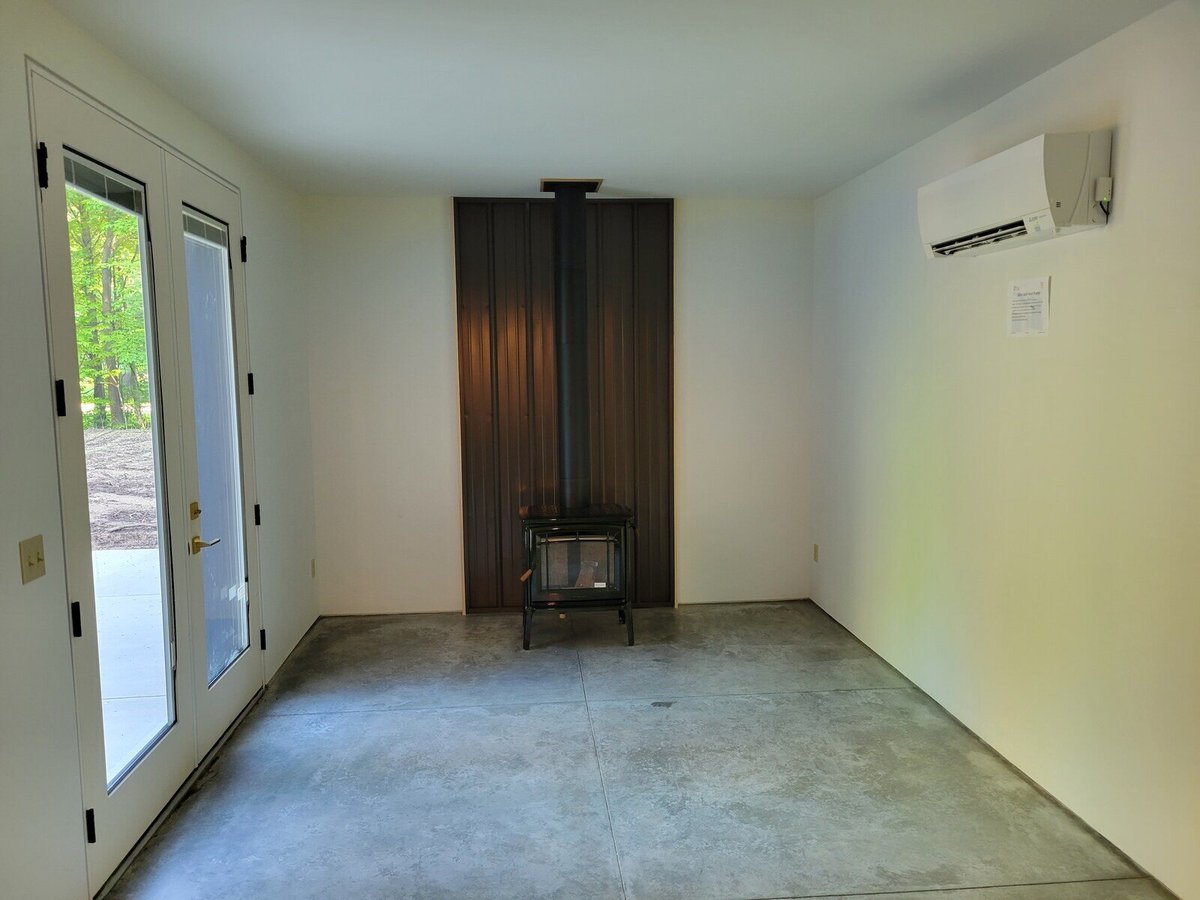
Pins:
x: 577, y: 555
x: 577, y: 560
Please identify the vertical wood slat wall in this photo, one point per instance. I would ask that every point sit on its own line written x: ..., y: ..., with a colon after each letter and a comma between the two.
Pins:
x: 505, y: 262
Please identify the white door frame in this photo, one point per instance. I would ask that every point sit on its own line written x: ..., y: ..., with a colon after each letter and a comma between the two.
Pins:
x: 218, y: 704
x: 117, y: 817
x: 66, y: 118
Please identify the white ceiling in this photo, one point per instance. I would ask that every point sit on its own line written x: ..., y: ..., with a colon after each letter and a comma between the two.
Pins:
x: 657, y: 97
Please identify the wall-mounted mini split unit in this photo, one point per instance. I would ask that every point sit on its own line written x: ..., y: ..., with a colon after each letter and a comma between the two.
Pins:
x: 1052, y: 185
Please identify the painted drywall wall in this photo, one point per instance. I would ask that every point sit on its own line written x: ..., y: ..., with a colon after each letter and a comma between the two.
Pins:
x: 384, y: 399
x: 1013, y: 522
x: 742, y: 408
x: 41, y: 830
x: 271, y: 216
x: 385, y: 414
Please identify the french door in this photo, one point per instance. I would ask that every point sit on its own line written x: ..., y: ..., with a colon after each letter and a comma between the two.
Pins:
x: 147, y: 331
x: 217, y: 437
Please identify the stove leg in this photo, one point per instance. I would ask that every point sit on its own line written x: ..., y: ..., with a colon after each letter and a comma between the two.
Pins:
x: 628, y: 611
x: 527, y: 628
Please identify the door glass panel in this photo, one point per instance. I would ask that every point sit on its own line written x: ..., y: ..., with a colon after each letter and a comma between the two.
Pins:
x: 118, y: 396
x: 214, y: 384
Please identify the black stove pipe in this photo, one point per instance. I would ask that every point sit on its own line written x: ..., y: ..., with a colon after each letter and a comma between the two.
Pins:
x: 571, y: 342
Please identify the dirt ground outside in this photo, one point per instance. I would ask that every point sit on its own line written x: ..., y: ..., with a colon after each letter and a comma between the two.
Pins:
x: 121, y: 499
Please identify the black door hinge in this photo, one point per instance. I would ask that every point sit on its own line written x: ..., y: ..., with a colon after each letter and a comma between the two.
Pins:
x: 257, y: 514
x: 60, y: 397
x: 76, y: 620
x: 243, y: 248
x: 250, y: 381
x: 43, y: 156
x: 262, y: 639
x: 89, y: 820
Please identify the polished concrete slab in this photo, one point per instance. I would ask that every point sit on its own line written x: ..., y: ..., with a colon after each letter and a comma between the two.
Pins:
x: 475, y: 801
x: 1122, y: 889
x: 395, y: 662
x: 819, y: 793
x: 741, y: 751
x: 657, y: 671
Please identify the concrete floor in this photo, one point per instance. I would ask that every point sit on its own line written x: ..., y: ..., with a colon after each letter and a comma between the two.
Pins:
x: 742, y: 751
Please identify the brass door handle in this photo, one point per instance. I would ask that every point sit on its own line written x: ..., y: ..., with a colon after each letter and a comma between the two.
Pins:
x: 198, y: 545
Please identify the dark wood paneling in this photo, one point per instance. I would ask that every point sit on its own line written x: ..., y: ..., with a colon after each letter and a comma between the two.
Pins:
x: 505, y: 258
x: 510, y: 293
x: 473, y: 240
x: 543, y: 386
x: 654, y: 398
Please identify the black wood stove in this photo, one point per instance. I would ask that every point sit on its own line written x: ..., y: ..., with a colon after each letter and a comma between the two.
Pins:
x: 577, y: 554
x: 577, y: 559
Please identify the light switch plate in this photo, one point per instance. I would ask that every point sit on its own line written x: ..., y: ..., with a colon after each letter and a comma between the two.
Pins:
x: 33, y: 559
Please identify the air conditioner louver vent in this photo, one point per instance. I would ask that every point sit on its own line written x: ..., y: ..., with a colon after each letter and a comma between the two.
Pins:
x: 982, y: 238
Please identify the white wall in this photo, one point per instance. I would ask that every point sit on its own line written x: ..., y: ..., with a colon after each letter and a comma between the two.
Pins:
x: 384, y: 399
x: 385, y: 416
x: 276, y: 294
x: 743, y: 424
x: 1012, y: 522
x: 41, y: 829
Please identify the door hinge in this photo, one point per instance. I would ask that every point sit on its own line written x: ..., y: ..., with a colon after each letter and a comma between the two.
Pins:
x: 43, y: 158
x: 257, y: 514
x: 76, y: 620
x: 243, y: 248
x: 262, y: 639
x: 174, y: 658
x: 250, y: 381
x: 60, y: 397
x: 89, y: 821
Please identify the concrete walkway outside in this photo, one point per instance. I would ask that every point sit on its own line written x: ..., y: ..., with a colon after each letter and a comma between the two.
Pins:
x: 134, y: 669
